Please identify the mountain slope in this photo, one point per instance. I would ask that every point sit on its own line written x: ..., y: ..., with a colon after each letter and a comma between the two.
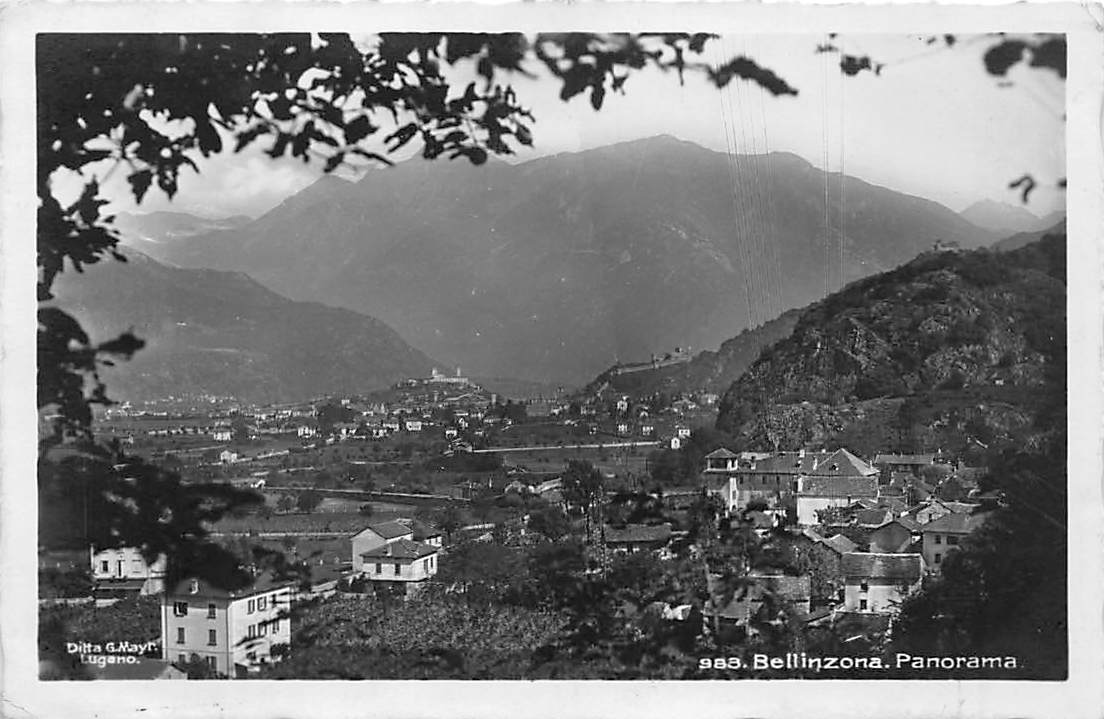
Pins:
x: 1005, y: 218
x: 551, y: 269
x: 221, y: 333
x: 708, y: 371
x: 1022, y: 239
x: 950, y: 350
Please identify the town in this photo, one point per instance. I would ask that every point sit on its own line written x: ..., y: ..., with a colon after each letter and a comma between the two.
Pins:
x: 372, y: 497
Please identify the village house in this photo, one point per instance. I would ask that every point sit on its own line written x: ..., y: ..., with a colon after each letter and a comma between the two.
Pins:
x: 637, y: 537
x: 878, y: 583
x: 228, y: 456
x: 944, y: 534
x: 222, y: 434
x: 934, y: 508
x: 123, y: 571
x: 911, y: 463
x: 777, y: 479
x: 234, y: 632
x: 388, y: 554
x: 676, y: 443
x: 793, y: 594
x: 895, y: 536
x: 819, y: 493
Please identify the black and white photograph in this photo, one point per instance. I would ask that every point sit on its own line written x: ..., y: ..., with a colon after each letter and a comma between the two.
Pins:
x: 689, y: 354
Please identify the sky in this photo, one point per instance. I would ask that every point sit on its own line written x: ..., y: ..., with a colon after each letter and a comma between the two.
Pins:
x: 932, y: 124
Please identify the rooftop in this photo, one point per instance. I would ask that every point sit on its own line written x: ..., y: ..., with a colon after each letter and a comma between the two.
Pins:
x: 862, y: 565
x: 854, y: 487
x: 904, y: 459
x: 400, y: 549
x: 263, y: 582
x: 840, y: 543
x: 638, y: 533
x: 956, y: 523
x: 391, y: 529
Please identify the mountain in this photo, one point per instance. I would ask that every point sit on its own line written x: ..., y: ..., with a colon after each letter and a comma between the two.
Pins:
x: 552, y: 269
x: 707, y: 371
x: 956, y: 350
x: 158, y: 228
x: 1021, y: 239
x: 221, y: 333
x: 1004, y: 218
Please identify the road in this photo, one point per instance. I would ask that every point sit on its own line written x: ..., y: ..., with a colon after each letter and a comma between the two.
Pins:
x: 612, y: 445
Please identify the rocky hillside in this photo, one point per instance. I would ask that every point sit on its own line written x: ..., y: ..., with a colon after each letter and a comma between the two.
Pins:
x: 708, y: 371
x: 221, y: 333
x: 953, y: 350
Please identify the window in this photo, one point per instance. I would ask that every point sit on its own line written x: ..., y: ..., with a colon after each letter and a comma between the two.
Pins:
x: 379, y: 568
x: 105, y: 566
x: 864, y: 586
x: 251, y: 631
x: 275, y: 626
x: 938, y: 558
x: 212, y: 637
x: 262, y: 603
x: 211, y: 611
x: 180, y: 609
x: 181, y: 658
x: 251, y: 606
x: 952, y: 540
x: 398, y: 569
x: 211, y: 662
x: 180, y: 635
x: 862, y: 605
x: 939, y: 539
x: 264, y: 628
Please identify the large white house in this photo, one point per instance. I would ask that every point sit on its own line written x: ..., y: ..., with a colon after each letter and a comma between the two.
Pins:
x: 399, y: 555
x: 123, y: 570
x: 234, y: 632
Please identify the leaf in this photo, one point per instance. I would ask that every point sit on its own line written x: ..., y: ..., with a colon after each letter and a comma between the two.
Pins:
x: 359, y: 129
x: 208, y: 137
x: 1003, y: 56
x: 139, y: 183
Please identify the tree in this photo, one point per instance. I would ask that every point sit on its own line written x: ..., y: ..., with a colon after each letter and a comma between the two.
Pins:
x: 308, y: 501
x: 551, y: 522
x: 366, y: 510
x: 583, y: 488
x: 285, y: 503
x: 448, y: 519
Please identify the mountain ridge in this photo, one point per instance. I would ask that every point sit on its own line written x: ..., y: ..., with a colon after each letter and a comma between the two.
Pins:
x: 549, y: 269
x: 220, y: 332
